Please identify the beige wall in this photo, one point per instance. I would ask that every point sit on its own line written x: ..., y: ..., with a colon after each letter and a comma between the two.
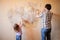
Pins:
x: 29, y: 33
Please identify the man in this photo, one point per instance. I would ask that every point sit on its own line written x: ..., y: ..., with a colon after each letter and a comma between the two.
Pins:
x: 46, y: 17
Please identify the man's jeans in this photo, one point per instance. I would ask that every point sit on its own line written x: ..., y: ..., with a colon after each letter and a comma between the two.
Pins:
x: 46, y: 34
x: 18, y: 37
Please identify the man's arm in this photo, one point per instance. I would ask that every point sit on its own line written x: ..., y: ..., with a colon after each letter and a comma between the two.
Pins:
x: 39, y: 15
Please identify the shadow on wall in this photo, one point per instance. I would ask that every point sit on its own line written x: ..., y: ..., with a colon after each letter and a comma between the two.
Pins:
x: 55, y: 27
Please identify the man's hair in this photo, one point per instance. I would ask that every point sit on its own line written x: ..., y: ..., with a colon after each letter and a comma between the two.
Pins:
x: 16, y: 27
x: 48, y: 6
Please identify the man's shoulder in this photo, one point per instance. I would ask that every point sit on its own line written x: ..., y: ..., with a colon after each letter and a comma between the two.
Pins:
x: 51, y: 12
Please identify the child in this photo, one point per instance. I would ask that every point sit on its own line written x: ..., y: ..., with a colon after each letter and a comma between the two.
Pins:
x: 18, y: 31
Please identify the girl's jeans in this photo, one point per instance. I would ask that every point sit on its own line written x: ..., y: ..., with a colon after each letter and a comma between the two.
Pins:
x: 18, y: 37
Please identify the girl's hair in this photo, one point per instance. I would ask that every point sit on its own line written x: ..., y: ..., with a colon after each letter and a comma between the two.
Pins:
x: 16, y: 27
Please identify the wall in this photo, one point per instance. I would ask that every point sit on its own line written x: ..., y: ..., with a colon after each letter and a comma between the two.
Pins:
x: 31, y: 32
